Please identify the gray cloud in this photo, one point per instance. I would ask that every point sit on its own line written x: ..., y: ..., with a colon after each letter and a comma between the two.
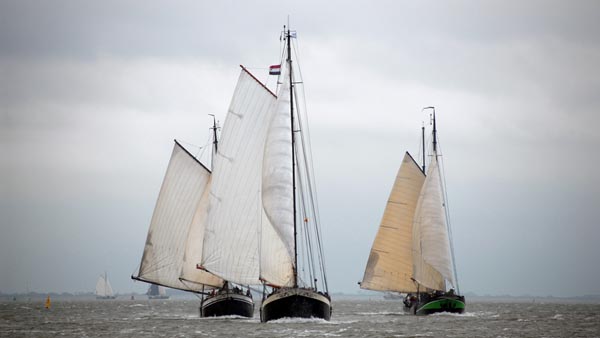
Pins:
x: 92, y: 94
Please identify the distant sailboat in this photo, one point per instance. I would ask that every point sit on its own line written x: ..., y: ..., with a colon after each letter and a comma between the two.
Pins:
x: 103, y: 288
x: 262, y: 199
x: 412, y: 252
x: 157, y: 292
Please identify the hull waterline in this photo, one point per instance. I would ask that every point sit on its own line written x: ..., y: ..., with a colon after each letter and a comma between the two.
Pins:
x: 227, y: 304
x: 295, y: 303
x: 434, y: 304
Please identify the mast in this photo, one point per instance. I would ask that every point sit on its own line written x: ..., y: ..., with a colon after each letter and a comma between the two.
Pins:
x: 423, y: 141
x: 434, y: 134
x: 289, y: 62
x: 215, y: 141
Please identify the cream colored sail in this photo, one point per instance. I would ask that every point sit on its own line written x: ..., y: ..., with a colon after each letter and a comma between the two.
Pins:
x: 433, y: 260
x: 236, y: 219
x: 177, y: 208
x: 390, y: 265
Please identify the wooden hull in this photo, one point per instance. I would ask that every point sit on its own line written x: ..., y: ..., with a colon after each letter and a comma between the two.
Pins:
x: 227, y: 304
x: 295, y: 303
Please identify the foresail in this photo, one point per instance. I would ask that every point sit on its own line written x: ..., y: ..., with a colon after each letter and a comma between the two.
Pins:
x: 390, y: 265
x: 177, y: 206
x: 190, y: 273
x: 433, y: 261
x: 101, y: 287
x: 277, y: 188
x: 232, y: 238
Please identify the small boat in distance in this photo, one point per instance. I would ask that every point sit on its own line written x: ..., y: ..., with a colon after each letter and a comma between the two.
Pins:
x: 103, y: 288
x: 157, y: 292
x: 412, y: 252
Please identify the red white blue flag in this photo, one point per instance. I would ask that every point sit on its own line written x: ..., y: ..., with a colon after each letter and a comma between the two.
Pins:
x: 275, y: 70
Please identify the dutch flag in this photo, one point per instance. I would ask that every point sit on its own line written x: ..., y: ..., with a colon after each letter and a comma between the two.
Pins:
x: 275, y: 70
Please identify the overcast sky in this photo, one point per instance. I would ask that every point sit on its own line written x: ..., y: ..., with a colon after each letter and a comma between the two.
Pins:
x: 93, y: 93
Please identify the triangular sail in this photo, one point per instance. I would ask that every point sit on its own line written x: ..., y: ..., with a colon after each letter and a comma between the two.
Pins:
x: 277, y: 189
x: 192, y: 256
x: 178, y: 206
x: 433, y: 260
x: 390, y: 265
x: 232, y: 241
x: 103, y: 288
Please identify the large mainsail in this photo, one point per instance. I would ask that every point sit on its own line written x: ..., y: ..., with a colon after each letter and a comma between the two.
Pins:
x: 390, y: 265
x: 180, y: 209
x: 238, y: 230
x: 433, y: 260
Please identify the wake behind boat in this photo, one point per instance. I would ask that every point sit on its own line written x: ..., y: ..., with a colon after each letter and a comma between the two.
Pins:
x: 412, y: 252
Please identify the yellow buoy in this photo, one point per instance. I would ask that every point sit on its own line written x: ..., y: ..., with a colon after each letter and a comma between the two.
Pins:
x: 48, y: 303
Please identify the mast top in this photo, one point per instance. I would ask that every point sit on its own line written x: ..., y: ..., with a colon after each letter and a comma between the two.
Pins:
x: 434, y: 130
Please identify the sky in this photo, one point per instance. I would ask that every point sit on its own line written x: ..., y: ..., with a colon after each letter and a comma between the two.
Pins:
x: 92, y: 93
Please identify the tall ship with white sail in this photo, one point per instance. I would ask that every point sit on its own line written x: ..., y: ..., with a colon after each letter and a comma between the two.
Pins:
x: 103, y: 288
x: 175, y: 236
x: 263, y: 213
x: 412, y: 252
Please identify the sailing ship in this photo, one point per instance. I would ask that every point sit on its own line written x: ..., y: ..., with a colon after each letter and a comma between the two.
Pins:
x: 263, y: 212
x: 175, y: 236
x: 157, y: 292
x: 103, y: 288
x: 412, y: 252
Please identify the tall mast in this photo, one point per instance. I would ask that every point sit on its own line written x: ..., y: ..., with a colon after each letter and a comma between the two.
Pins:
x: 215, y: 141
x: 434, y: 134
x: 289, y: 63
x: 423, y: 141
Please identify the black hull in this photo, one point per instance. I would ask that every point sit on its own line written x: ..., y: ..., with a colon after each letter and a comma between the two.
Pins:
x: 295, y: 303
x: 231, y: 304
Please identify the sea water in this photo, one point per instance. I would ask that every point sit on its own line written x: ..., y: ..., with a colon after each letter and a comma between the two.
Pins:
x: 351, y: 318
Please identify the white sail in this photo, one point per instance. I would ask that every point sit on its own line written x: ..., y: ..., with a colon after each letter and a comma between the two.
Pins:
x: 178, y: 206
x: 103, y: 288
x: 232, y: 241
x: 433, y: 260
x: 277, y: 189
x: 390, y: 265
x: 193, y: 248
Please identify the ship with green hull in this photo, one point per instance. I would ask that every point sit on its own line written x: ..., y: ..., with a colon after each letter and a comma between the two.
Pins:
x: 412, y: 252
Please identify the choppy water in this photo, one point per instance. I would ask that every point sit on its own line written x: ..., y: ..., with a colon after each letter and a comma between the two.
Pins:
x: 179, y: 318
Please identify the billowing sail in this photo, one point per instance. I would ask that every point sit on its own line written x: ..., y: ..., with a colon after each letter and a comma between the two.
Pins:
x: 277, y: 189
x: 178, y: 207
x: 232, y: 241
x: 433, y: 260
x: 103, y: 288
x: 193, y: 249
x: 390, y: 265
